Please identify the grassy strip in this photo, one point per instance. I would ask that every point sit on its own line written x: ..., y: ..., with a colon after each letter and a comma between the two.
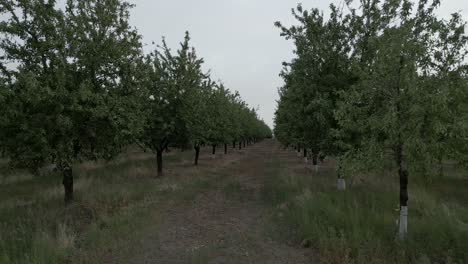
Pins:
x: 359, y: 225
x: 113, y: 201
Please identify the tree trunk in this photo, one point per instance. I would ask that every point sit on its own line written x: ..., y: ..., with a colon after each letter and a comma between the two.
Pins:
x: 314, y: 161
x: 403, y: 174
x: 197, y: 154
x: 305, y: 155
x: 240, y: 145
x: 159, y: 161
x: 68, y: 183
x: 234, y: 144
x: 214, y: 150
x: 225, y: 148
x: 244, y: 143
x: 402, y: 171
x: 341, y: 183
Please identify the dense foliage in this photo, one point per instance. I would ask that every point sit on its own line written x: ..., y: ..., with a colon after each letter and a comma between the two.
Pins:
x: 379, y: 86
x: 75, y: 85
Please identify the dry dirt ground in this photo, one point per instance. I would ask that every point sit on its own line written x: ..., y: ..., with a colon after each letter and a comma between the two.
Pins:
x: 227, y: 223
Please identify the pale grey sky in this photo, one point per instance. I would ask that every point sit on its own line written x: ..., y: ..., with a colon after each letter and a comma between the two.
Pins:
x: 236, y: 38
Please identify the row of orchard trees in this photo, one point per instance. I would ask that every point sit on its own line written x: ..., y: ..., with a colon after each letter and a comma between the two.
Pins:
x: 75, y: 85
x: 184, y: 107
x: 378, y: 85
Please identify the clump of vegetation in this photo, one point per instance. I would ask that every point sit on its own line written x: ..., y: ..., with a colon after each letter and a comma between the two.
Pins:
x: 380, y: 85
x: 76, y: 86
x: 360, y: 225
x: 112, y: 203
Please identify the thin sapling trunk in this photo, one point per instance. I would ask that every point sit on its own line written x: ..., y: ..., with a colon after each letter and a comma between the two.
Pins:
x: 315, y: 161
x: 159, y: 161
x: 67, y: 182
x: 197, y: 154
x: 403, y: 175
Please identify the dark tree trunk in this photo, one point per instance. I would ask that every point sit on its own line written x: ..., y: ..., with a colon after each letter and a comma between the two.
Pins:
x: 244, y: 143
x: 240, y: 145
x: 403, y: 173
x: 166, y: 148
x: 403, y: 222
x: 314, y: 158
x: 197, y: 154
x: 305, y: 153
x: 402, y: 170
x: 214, y: 149
x: 159, y: 161
x: 68, y: 183
x: 225, y: 148
x: 233, y: 144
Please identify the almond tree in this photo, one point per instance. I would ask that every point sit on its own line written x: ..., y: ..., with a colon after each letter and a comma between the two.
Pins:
x: 172, y: 83
x: 71, y: 80
x: 407, y: 93
x: 313, y: 80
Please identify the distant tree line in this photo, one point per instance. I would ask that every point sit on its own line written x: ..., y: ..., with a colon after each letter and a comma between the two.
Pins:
x: 75, y: 85
x: 379, y: 85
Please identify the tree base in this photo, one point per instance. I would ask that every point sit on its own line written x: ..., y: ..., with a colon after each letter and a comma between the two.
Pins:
x: 403, y: 223
x: 341, y: 184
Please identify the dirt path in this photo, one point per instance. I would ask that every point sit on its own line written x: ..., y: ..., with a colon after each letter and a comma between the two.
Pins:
x: 226, y: 224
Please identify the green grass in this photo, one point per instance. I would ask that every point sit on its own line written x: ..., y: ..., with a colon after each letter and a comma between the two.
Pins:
x: 113, y: 199
x: 359, y: 225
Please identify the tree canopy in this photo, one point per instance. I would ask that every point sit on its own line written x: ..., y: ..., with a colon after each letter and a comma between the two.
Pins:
x: 76, y: 85
x: 380, y: 86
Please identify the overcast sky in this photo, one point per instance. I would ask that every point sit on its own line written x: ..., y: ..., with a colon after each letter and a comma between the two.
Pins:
x: 236, y: 38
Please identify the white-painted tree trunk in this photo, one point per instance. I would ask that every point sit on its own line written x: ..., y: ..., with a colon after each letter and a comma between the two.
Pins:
x: 341, y: 184
x: 298, y: 154
x: 316, y: 168
x: 403, y: 223
x: 306, y: 160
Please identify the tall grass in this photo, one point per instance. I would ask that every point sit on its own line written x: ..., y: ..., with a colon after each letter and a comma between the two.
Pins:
x: 112, y: 200
x: 359, y: 225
